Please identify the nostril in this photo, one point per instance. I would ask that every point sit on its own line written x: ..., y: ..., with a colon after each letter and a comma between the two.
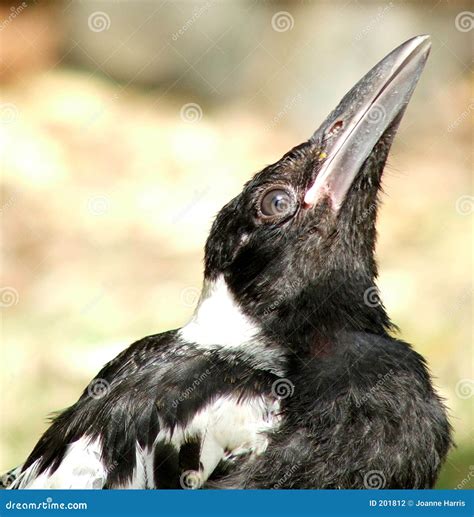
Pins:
x: 336, y: 127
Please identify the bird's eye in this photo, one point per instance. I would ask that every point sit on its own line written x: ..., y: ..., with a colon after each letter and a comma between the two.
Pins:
x: 277, y: 202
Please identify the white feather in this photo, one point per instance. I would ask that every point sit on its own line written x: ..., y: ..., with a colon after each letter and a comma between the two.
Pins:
x: 219, y: 323
x: 80, y: 468
x: 218, y: 320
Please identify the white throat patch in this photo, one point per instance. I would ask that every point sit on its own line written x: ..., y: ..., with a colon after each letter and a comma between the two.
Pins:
x: 218, y: 320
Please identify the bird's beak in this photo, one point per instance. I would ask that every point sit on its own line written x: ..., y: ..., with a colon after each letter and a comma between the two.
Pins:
x: 352, y: 130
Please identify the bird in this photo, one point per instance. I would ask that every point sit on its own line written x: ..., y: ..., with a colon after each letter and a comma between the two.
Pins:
x: 289, y: 374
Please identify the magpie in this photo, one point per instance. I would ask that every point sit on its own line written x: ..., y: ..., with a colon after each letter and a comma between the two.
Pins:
x: 288, y: 374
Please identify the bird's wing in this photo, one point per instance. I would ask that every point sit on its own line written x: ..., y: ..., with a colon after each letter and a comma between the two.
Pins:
x: 161, y: 415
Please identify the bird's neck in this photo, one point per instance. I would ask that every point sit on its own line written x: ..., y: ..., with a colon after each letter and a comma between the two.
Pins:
x: 309, y: 323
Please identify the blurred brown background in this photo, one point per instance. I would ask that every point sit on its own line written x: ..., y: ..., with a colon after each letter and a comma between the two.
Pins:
x: 125, y: 125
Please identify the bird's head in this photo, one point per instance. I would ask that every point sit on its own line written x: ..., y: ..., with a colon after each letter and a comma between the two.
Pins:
x: 296, y: 246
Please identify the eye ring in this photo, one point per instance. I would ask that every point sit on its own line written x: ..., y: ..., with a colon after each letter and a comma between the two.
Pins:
x: 277, y: 203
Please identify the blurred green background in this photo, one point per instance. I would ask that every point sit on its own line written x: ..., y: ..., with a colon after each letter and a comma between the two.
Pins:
x: 125, y: 126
